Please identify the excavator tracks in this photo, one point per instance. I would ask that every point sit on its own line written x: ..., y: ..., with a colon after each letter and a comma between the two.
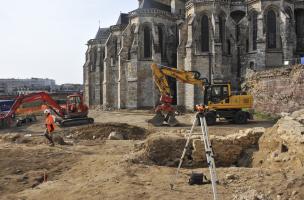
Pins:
x: 75, y: 122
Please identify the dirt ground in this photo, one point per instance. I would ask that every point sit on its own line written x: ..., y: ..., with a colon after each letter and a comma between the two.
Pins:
x: 91, y: 167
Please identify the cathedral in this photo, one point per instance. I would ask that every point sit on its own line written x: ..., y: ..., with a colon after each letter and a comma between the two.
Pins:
x: 221, y: 39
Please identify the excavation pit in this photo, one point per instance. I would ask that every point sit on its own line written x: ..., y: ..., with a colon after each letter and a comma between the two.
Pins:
x: 232, y: 150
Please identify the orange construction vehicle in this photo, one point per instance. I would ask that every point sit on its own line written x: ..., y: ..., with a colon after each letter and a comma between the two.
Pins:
x: 75, y: 112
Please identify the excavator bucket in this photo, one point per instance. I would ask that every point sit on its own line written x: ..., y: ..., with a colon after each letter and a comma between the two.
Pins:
x: 157, y: 120
x: 172, y: 121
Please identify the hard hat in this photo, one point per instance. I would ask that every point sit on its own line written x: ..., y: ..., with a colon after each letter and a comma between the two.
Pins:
x: 47, y: 111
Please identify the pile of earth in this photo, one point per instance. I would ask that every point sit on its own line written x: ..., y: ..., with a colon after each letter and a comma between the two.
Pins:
x: 233, y: 150
x: 161, y: 149
x: 102, y: 131
x: 282, y: 146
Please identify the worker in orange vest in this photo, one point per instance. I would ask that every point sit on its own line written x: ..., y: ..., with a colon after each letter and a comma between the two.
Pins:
x: 50, y: 126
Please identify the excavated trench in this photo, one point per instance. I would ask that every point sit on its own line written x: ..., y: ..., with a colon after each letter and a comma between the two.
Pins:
x: 278, y: 147
x: 233, y: 150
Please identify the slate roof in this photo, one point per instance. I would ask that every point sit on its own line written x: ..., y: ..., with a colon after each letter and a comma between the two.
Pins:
x: 153, y: 4
x: 102, y: 33
x: 123, y: 19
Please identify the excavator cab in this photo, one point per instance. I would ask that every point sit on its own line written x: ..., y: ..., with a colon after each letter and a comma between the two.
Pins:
x: 75, y: 106
x: 73, y: 103
x: 217, y: 93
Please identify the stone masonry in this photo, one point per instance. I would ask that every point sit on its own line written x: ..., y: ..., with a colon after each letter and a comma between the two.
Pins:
x: 277, y: 90
x: 221, y: 39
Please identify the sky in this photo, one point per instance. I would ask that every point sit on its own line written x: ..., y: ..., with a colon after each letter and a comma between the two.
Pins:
x: 47, y: 38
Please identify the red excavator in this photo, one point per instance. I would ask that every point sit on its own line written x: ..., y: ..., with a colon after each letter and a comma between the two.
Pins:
x: 75, y: 112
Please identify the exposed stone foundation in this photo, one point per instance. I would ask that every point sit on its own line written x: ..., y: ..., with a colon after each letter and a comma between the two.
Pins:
x: 277, y: 90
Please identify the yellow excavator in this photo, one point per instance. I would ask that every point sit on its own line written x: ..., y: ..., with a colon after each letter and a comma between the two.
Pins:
x: 218, y: 98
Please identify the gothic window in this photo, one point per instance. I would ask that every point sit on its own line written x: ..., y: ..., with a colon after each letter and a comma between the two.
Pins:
x: 247, y: 45
x: 222, y: 23
x: 228, y: 47
x: 102, y: 55
x: 205, y: 34
x: 129, y: 54
x: 254, y: 31
x: 271, y: 30
x: 238, y: 32
x: 299, y: 17
x: 115, y: 47
x: 95, y: 57
x: 147, y: 42
x: 92, y: 59
x: 161, y: 42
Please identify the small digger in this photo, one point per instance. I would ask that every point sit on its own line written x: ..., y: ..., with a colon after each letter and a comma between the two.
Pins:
x: 218, y: 98
x: 74, y: 112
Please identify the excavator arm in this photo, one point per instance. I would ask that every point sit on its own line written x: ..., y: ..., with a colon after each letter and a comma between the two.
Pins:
x: 41, y: 96
x: 160, y: 74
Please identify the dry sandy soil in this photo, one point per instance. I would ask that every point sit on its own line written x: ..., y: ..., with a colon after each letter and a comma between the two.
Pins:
x: 89, y: 166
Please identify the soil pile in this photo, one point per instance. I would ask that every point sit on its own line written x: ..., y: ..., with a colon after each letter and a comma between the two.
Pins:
x: 282, y: 146
x: 102, y: 131
x: 162, y: 149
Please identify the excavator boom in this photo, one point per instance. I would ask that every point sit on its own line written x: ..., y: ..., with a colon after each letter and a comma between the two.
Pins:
x: 160, y: 74
x: 41, y: 96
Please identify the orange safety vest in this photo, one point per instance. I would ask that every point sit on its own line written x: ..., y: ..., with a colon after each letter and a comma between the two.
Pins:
x: 49, y: 123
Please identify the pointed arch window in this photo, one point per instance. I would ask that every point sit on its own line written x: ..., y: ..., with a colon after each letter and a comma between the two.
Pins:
x: 95, y: 57
x: 254, y: 31
x: 115, y: 47
x: 147, y: 42
x: 161, y: 42
x: 205, y: 34
x: 271, y: 30
x: 228, y: 47
x: 222, y: 28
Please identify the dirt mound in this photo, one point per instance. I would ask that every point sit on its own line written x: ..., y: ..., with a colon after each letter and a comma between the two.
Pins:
x: 282, y: 146
x: 102, y: 131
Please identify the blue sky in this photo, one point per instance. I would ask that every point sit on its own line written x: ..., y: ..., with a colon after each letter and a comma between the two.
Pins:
x: 46, y: 38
